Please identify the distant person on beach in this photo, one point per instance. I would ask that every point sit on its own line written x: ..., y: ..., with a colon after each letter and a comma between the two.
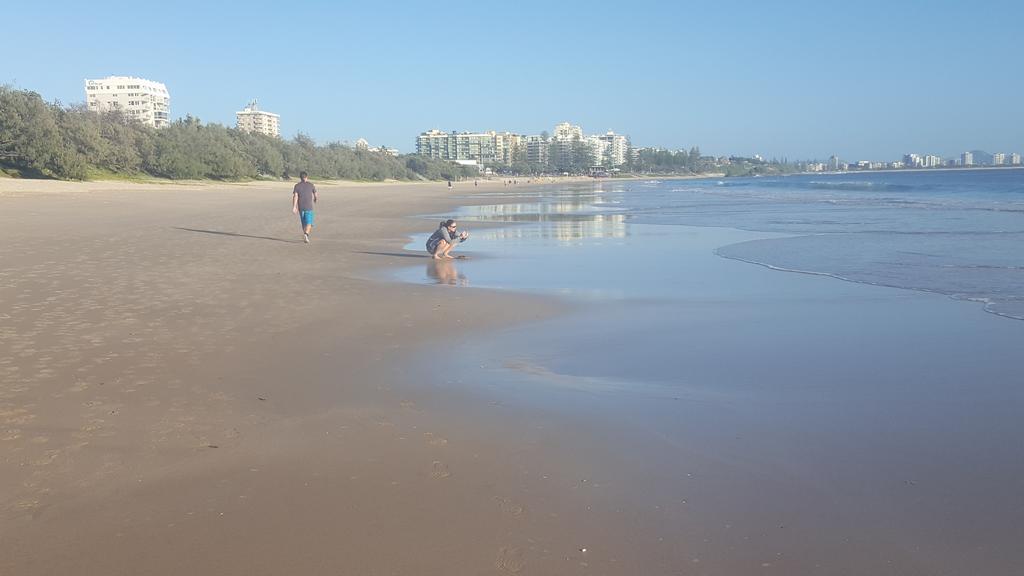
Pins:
x: 449, y: 184
x: 303, y: 200
x: 443, y: 241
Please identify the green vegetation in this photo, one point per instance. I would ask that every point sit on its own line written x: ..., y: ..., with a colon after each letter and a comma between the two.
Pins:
x: 48, y: 140
x: 653, y: 161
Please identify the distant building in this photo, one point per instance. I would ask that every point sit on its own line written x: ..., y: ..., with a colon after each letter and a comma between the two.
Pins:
x: 1015, y: 159
x: 614, y: 149
x: 912, y: 161
x: 565, y: 138
x: 137, y: 99
x: 567, y: 132
x: 482, y: 147
x: 998, y: 159
x: 834, y: 164
x: 967, y: 159
x: 363, y: 146
x: 537, y: 149
x: 932, y: 161
x: 252, y: 119
x: 508, y: 148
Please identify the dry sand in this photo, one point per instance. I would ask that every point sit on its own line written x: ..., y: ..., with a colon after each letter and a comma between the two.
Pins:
x: 189, y: 389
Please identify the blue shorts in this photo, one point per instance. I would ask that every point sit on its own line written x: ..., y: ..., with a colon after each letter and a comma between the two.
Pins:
x: 307, y: 217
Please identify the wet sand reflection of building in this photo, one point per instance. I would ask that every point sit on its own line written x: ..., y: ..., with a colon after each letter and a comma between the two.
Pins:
x: 569, y: 217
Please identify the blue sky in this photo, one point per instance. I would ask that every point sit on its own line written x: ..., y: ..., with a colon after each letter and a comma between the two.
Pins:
x: 864, y: 80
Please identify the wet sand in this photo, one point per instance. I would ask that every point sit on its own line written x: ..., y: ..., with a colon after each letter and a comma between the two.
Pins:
x: 738, y: 420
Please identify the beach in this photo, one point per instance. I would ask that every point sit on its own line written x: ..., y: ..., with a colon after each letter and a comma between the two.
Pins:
x: 187, y: 388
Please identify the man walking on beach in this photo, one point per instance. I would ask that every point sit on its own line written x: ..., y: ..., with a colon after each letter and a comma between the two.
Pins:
x: 303, y: 199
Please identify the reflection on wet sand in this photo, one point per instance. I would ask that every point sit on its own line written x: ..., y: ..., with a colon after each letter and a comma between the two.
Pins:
x: 569, y: 217
x: 445, y: 272
x: 565, y: 231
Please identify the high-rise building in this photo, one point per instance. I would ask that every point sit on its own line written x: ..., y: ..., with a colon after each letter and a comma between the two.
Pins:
x: 538, y: 149
x: 566, y: 138
x: 912, y: 161
x: 483, y: 147
x: 834, y: 164
x: 932, y: 161
x: 614, y: 150
x: 136, y: 99
x: 435, y: 144
x: 1015, y: 159
x: 998, y: 159
x: 567, y: 132
x: 967, y: 159
x: 252, y: 119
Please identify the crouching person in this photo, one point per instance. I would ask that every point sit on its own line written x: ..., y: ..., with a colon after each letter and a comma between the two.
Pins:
x: 443, y: 241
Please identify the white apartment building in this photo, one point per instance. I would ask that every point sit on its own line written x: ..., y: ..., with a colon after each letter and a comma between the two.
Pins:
x: 482, y: 147
x: 137, y: 99
x: 598, y: 149
x: 564, y: 136
x: 913, y: 161
x: 536, y: 149
x: 998, y: 159
x: 614, y: 149
x: 252, y: 119
x: 967, y: 159
x: 1015, y: 159
x: 567, y: 132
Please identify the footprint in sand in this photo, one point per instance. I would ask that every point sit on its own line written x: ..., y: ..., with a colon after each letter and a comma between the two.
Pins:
x: 25, y: 505
x: 17, y: 416
x: 47, y: 457
x: 510, y: 559
x: 508, y: 506
x: 435, y: 440
x: 440, y: 470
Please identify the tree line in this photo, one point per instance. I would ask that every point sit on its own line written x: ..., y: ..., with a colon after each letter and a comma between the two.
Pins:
x: 46, y: 139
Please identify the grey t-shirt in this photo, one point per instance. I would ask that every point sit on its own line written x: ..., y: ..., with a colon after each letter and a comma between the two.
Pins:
x: 305, y: 190
x: 441, y: 233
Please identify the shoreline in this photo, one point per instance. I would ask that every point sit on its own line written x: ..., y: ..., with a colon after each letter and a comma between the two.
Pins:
x: 784, y: 444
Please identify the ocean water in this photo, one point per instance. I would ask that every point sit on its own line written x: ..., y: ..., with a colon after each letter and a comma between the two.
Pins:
x: 957, y: 233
